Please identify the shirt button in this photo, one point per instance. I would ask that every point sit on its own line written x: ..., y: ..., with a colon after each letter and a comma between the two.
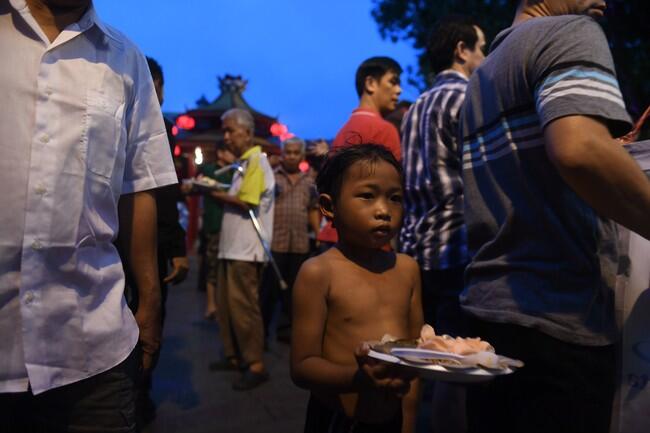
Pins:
x: 45, y: 138
x: 29, y: 297
x: 40, y: 189
x: 49, y: 91
x: 36, y: 245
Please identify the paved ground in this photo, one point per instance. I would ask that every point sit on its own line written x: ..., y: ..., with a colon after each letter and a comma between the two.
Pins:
x: 192, y: 399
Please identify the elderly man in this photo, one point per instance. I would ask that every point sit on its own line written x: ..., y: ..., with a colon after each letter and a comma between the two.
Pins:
x: 82, y: 131
x: 241, y: 253
x: 296, y: 212
x: 542, y: 177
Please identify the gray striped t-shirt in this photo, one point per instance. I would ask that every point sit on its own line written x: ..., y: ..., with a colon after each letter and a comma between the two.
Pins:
x: 541, y: 257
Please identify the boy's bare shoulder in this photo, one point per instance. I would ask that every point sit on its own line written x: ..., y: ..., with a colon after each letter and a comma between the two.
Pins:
x: 317, y: 269
x: 406, y: 263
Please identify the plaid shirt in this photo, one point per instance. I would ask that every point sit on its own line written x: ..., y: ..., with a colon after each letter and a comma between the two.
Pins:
x: 434, y: 231
x: 292, y: 204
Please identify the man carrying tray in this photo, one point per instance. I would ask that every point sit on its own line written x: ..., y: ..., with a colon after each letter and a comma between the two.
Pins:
x: 241, y: 253
x: 542, y: 177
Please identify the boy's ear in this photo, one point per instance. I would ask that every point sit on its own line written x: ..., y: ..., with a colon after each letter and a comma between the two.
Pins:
x: 326, y: 205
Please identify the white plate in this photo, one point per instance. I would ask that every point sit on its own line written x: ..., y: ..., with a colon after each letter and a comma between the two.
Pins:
x: 210, y: 185
x: 438, y: 372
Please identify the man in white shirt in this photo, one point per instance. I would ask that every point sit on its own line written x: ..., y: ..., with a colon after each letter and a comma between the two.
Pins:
x: 83, y: 144
x: 241, y: 255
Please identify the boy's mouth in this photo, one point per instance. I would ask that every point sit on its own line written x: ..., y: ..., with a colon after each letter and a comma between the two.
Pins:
x: 383, y: 230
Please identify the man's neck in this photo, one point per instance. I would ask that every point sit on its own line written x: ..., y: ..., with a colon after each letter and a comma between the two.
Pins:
x: 462, y: 69
x: 366, y: 102
x: 526, y: 12
x: 52, y: 19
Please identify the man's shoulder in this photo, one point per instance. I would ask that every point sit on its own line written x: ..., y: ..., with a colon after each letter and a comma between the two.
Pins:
x: 549, y: 28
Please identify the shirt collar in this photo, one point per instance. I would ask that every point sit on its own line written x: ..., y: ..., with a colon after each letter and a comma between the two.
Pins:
x: 250, y: 152
x: 281, y: 170
x: 366, y: 111
x: 449, y: 73
x: 87, y: 20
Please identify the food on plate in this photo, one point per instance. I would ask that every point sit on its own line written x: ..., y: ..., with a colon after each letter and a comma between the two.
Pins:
x: 444, y: 343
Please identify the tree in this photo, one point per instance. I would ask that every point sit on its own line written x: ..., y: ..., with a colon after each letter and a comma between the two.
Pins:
x: 626, y: 26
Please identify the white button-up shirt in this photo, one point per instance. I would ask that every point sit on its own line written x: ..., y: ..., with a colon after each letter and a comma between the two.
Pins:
x: 80, y: 125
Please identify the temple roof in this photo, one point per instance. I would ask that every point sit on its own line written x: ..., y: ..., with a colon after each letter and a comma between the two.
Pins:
x: 232, y: 87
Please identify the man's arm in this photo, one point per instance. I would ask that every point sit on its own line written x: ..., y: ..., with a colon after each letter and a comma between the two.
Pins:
x: 314, y: 220
x: 137, y: 240
x: 600, y: 171
x: 232, y: 200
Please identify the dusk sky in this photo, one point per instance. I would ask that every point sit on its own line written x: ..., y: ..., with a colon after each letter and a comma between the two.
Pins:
x: 299, y: 56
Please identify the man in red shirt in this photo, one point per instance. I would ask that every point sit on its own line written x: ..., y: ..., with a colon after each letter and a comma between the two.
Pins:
x: 378, y: 86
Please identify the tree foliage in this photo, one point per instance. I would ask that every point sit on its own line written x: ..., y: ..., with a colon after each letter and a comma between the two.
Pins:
x: 627, y: 27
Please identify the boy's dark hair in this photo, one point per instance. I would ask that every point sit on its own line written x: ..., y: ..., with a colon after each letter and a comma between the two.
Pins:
x: 156, y: 70
x: 444, y: 37
x: 330, y: 177
x: 375, y: 67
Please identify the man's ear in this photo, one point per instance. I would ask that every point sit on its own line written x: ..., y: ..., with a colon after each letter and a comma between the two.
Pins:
x: 326, y: 205
x: 460, y: 53
x: 370, y: 85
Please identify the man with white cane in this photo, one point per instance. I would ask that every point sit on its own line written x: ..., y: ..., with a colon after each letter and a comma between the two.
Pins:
x: 242, y: 254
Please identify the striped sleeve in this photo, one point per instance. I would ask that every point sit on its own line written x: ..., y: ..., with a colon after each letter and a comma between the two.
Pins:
x: 575, y: 75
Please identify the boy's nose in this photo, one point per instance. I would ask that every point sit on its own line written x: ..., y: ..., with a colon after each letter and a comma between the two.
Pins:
x: 382, y: 212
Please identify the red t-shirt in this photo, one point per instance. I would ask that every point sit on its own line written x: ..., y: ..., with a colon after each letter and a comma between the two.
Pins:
x: 364, y: 126
x: 367, y: 126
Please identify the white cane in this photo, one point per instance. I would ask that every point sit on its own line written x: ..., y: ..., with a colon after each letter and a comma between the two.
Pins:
x: 257, y: 226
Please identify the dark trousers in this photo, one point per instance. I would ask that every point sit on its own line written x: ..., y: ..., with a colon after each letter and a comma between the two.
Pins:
x: 440, y: 290
x: 563, y: 387
x: 289, y: 265
x: 100, y: 404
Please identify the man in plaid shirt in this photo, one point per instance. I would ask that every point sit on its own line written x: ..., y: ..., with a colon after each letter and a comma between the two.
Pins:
x: 296, y: 212
x: 434, y: 228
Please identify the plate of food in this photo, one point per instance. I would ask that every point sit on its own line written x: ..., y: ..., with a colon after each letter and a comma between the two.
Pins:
x: 441, y: 357
x: 209, y: 183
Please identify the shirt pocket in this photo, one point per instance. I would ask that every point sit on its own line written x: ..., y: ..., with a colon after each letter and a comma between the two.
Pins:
x: 104, y: 117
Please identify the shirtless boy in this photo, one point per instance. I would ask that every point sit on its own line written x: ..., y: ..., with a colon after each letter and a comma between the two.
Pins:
x: 356, y: 292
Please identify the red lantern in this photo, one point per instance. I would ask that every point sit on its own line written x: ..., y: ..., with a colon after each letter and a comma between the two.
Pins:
x: 277, y: 129
x: 185, y: 122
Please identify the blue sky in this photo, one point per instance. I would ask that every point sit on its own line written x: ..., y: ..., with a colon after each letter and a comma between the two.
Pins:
x: 299, y: 56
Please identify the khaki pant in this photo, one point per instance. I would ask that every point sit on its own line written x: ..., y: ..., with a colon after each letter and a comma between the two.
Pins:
x: 240, y: 319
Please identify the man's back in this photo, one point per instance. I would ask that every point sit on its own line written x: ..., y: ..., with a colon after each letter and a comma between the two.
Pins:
x: 541, y: 255
x: 433, y: 230
x: 367, y: 126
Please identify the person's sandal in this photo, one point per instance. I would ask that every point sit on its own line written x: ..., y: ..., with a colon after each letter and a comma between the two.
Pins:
x: 225, y: 364
x: 249, y: 380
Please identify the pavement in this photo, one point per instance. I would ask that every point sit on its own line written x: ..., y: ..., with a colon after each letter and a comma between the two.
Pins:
x: 191, y: 399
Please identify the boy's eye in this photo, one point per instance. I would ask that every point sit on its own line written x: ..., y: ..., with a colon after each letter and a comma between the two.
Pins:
x: 397, y: 198
x: 365, y: 195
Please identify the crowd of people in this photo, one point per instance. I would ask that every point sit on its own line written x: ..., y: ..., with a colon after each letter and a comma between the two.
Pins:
x: 488, y: 211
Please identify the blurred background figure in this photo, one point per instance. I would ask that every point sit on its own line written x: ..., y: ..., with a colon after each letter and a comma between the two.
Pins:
x: 296, y: 213
x: 171, y: 252
x: 212, y: 215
